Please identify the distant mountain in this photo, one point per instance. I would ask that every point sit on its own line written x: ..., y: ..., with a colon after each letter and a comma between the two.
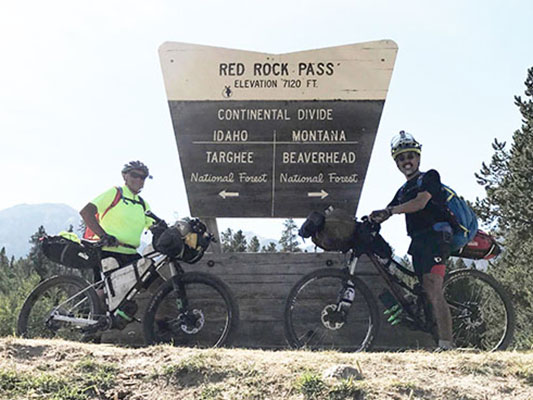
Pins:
x: 18, y: 223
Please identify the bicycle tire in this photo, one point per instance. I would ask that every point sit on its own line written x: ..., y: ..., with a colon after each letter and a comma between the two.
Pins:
x: 304, y: 314
x: 210, y: 300
x: 482, y: 311
x: 46, y: 296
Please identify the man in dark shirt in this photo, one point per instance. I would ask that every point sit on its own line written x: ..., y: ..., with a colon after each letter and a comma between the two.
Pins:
x: 423, y: 202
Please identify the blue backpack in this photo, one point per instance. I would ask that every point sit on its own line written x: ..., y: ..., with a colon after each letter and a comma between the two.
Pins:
x: 464, y: 220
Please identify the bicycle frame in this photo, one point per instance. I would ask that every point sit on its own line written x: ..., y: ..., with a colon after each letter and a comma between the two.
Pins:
x: 394, y: 284
x: 143, y: 281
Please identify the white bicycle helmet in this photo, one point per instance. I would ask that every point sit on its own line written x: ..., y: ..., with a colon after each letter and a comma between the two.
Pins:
x: 402, y: 143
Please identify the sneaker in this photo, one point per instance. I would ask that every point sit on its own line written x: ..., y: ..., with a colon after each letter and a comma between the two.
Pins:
x: 445, y: 345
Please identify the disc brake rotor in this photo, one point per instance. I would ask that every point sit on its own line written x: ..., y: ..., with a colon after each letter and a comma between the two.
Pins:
x: 331, y: 318
x: 199, y: 321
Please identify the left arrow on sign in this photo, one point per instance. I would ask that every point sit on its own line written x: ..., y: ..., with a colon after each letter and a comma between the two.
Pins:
x: 225, y: 194
x: 322, y: 194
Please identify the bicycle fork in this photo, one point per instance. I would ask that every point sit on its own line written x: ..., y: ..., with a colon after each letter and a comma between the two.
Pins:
x: 347, y: 293
x: 179, y: 288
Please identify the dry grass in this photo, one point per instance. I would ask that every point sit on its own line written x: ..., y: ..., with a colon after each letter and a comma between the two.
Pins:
x: 49, y: 369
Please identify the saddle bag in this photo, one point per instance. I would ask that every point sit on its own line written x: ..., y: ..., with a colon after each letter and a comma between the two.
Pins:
x: 67, y: 252
x: 482, y: 247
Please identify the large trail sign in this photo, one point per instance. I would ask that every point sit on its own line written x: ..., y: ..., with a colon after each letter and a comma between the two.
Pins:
x: 264, y: 135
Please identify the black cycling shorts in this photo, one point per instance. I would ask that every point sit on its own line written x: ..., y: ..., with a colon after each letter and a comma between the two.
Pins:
x: 429, y: 249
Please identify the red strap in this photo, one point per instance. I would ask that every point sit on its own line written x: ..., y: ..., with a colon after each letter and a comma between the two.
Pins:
x: 89, y: 234
x: 115, y: 201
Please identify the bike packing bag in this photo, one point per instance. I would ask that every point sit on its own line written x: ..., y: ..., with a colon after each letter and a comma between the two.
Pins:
x: 462, y: 217
x: 169, y: 242
x: 482, y: 247
x: 313, y: 223
x: 337, y: 233
x: 196, y: 239
x: 186, y: 240
x: 67, y: 252
x: 120, y: 281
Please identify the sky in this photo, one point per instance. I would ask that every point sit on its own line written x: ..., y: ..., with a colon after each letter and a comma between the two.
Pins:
x: 81, y: 88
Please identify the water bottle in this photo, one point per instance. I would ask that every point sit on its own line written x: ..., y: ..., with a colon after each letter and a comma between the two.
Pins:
x: 348, y: 295
x: 392, y: 309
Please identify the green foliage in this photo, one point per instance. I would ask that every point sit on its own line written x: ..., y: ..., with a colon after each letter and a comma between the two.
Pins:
x: 289, y: 237
x: 17, y: 279
x: 271, y: 248
x: 254, y: 245
x: 508, y: 210
x: 347, y: 389
x: 15, y: 384
x: 311, y: 386
x: 233, y: 241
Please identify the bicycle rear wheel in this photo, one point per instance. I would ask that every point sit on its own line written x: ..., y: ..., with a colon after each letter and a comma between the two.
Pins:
x: 482, y: 311
x: 311, y: 319
x: 204, y: 315
x: 54, y: 299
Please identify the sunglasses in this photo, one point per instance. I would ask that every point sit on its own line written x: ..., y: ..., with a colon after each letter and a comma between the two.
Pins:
x: 136, y: 175
x: 410, y: 155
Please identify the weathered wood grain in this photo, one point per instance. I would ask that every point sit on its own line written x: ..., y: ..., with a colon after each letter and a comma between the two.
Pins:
x: 261, y: 283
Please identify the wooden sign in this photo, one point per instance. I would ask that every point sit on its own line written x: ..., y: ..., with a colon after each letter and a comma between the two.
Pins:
x: 264, y: 135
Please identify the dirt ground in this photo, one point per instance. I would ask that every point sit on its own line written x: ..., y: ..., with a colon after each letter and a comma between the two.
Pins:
x: 55, y: 369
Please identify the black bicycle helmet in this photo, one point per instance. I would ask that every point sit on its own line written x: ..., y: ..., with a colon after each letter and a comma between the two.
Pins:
x: 404, y: 142
x: 138, y: 166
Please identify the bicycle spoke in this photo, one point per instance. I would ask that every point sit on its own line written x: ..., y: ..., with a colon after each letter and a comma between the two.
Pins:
x: 314, y: 320
x: 479, y: 313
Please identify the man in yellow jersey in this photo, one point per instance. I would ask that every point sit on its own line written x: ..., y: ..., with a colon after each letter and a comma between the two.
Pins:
x: 117, y: 216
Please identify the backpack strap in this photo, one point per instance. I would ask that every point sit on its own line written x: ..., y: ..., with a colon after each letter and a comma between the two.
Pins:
x: 115, y: 201
x: 140, y: 201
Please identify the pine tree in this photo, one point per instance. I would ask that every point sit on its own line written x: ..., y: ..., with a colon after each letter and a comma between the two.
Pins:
x: 225, y: 239
x: 239, y: 243
x: 233, y: 241
x: 36, y: 256
x: 38, y: 261
x: 289, y: 238
x: 254, y: 245
x: 508, y: 208
x: 271, y: 248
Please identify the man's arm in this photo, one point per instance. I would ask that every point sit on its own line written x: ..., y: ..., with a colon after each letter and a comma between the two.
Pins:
x: 88, y: 213
x: 411, y: 206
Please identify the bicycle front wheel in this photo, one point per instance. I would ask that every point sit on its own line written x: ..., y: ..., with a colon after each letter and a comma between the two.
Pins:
x: 482, y: 311
x: 59, y: 307
x: 312, y: 321
x: 194, y: 309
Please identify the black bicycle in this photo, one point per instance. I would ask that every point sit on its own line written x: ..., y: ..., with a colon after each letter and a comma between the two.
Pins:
x: 188, y: 309
x: 334, y: 309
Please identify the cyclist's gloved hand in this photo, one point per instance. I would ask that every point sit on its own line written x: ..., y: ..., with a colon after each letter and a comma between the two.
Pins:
x: 109, y: 241
x: 380, y: 216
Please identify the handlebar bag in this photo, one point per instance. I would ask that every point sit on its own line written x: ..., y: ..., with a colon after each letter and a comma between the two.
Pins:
x: 186, y: 240
x: 337, y: 232
x: 67, y: 252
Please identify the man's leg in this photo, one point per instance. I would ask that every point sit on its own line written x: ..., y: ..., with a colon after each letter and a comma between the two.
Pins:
x: 432, y: 284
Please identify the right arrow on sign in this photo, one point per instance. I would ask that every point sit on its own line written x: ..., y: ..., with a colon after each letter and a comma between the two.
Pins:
x: 225, y: 194
x: 322, y: 194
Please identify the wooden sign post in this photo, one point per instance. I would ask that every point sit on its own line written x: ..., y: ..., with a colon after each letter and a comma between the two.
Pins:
x: 264, y: 135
